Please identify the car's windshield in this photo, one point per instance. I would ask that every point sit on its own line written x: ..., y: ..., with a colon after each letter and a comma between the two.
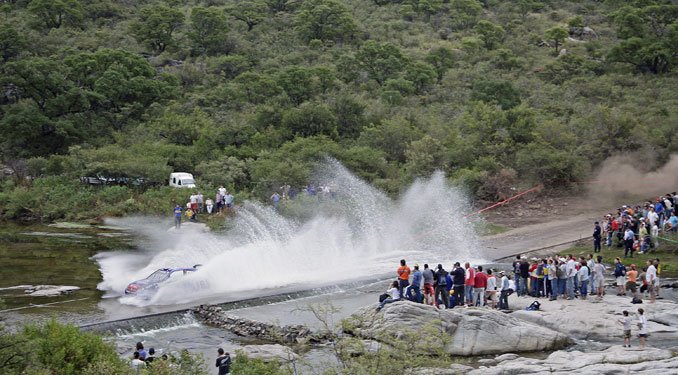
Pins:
x: 187, y: 181
x: 158, y: 276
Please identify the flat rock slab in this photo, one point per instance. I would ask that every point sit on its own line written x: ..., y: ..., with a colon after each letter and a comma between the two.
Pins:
x: 593, y: 319
x: 459, y: 331
x: 614, y: 360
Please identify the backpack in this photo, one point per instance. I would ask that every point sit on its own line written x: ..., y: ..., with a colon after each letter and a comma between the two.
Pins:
x: 383, y: 297
x: 636, y: 300
x: 534, y: 306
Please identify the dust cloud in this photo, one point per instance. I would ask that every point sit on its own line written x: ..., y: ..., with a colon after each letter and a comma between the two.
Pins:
x: 620, y: 177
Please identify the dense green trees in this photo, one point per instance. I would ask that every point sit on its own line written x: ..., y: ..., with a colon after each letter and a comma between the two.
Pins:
x: 253, y: 93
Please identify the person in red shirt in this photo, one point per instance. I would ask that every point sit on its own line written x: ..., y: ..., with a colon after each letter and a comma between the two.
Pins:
x: 480, y: 283
x: 403, y: 276
x: 469, y: 282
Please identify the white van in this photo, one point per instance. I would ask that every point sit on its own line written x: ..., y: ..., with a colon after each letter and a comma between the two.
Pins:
x: 181, y: 180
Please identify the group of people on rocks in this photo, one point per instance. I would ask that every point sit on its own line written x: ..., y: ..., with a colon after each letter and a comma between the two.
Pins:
x: 553, y: 277
x: 569, y: 277
x: 637, y: 228
x: 462, y: 286
x: 321, y: 191
x: 142, y: 359
x: 197, y: 204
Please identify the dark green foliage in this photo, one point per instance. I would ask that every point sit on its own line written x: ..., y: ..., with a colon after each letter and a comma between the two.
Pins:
x: 157, y: 25
x: 326, y: 20
x: 208, y: 30
x: 496, y: 92
x: 253, y: 94
x: 250, y: 12
x: 52, y: 14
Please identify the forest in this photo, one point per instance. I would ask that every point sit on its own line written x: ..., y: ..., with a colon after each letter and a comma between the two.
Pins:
x: 251, y: 94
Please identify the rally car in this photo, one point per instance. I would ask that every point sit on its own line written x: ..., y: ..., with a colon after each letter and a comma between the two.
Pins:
x: 152, y: 282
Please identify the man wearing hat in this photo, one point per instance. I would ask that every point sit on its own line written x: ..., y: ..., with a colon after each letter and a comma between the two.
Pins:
x: 505, y: 291
x: 596, y: 237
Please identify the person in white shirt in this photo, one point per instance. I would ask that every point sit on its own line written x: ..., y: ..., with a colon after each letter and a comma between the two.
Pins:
x: 599, y: 276
x: 583, y: 275
x: 571, y: 272
x: 491, y: 289
x: 651, y: 278
x: 393, y: 292
x: 137, y: 364
x: 642, y: 327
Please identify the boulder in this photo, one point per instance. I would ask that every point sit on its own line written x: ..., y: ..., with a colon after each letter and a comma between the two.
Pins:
x: 592, y: 319
x: 270, y: 352
x: 614, y: 360
x: 459, y: 331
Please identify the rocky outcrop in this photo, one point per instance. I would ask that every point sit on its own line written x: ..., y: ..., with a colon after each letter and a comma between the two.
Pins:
x: 270, y: 352
x: 592, y: 319
x: 459, y: 331
x: 289, y: 334
x: 614, y: 360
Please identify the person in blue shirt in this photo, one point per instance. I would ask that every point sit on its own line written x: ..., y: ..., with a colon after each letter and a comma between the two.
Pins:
x: 177, y: 216
x: 415, y: 286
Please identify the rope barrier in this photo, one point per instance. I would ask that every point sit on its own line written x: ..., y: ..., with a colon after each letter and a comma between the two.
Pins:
x: 505, y: 200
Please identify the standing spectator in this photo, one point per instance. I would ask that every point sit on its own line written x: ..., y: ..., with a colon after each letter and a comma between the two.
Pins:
x: 177, y: 216
x: 491, y: 290
x: 597, y: 231
x: 590, y: 263
x: 479, y: 285
x: 429, y: 293
x: 642, y: 327
x: 631, y: 277
x: 201, y: 206
x: 220, y: 201
x: 441, y: 287
x: 626, y: 323
x: 223, y: 362
x: 651, y: 278
x: 141, y: 350
x: 194, y: 202
x: 516, y: 272
x: 228, y: 200
x: 628, y: 242
x: 620, y: 276
x: 416, y: 285
x: 150, y: 357
x: 562, y: 277
x: 209, y: 204
x: 403, y: 276
x: 524, y: 274
x: 275, y: 198
x: 221, y: 190
x: 571, y: 273
x: 608, y: 230
x: 599, y: 276
x: 505, y: 291
x: 553, y: 279
x: 469, y: 282
x: 458, y: 279
x: 583, y: 274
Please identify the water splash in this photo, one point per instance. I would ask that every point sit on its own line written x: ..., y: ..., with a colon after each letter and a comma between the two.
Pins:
x: 358, y: 233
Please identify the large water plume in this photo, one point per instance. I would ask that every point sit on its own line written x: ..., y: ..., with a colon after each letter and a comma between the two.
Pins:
x: 358, y: 233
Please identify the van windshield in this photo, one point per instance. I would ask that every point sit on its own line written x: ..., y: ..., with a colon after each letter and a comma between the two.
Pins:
x: 187, y: 181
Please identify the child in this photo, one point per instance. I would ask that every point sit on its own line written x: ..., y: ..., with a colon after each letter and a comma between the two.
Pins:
x: 642, y: 327
x: 626, y: 322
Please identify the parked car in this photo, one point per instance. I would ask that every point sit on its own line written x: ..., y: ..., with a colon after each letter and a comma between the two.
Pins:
x: 181, y: 180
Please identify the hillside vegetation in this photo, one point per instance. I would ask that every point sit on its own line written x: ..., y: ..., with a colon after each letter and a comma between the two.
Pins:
x: 251, y: 93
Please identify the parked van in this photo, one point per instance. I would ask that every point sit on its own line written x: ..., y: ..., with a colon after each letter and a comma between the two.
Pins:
x: 181, y: 180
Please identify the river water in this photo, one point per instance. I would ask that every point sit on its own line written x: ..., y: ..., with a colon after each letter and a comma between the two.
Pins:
x: 330, y: 247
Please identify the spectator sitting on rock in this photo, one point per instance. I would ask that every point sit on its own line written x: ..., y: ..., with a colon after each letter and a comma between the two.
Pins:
x: 394, y: 295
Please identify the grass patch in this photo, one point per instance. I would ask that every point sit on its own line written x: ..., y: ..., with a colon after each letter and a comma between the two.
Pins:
x: 485, y: 228
x: 667, y: 252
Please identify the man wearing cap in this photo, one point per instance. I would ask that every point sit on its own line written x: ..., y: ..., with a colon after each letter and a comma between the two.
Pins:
x: 596, y: 237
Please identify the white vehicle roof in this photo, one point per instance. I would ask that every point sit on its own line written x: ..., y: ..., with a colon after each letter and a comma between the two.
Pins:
x: 181, y: 175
